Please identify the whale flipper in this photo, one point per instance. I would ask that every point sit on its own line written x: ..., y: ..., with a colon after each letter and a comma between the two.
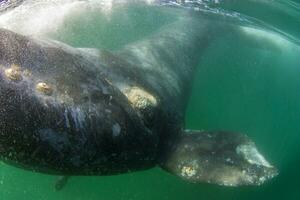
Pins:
x: 61, y: 182
x: 223, y: 158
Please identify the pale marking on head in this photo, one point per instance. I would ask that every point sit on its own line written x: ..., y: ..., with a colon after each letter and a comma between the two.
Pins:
x: 188, y: 171
x: 78, y: 116
x: 44, y: 88
x: 14, y: 73
x: 140, y: 98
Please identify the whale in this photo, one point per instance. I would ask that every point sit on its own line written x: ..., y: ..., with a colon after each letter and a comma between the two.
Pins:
x: 83, y: 111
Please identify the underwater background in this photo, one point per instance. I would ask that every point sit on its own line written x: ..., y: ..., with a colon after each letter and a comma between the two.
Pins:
x: 248, y: 83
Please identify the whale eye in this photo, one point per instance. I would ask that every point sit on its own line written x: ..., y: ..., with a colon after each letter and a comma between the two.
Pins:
x: 44, y: 88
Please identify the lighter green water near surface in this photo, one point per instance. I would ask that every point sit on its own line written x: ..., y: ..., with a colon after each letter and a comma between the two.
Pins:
x: 245, y: 82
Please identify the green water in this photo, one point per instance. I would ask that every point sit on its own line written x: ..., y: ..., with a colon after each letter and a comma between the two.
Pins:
x: 244, y: 83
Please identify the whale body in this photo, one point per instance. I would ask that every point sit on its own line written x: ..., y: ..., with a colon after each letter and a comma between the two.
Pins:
x: 71, y: 111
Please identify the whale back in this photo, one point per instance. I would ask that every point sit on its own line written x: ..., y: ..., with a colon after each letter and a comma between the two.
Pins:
x: 168, y: 59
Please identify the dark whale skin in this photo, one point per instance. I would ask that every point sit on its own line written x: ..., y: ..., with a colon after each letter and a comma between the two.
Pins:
x: 71, y: 111
x: 85, y: 127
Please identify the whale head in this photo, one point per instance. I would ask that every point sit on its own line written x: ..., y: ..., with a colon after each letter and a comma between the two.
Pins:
x: 60, y: 115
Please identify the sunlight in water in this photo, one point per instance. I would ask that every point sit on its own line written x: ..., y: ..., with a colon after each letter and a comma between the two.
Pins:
x: 268, y: 36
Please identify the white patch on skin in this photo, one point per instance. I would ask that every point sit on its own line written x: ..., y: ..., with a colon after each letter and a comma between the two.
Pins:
x: 44, y: 88
x: 140, y: 98
x: 67, y: 119
x: 78, y: 117
x: 251, y: 154
x: 188, y: 171
x: 13, y: 73
x: 116, y: 130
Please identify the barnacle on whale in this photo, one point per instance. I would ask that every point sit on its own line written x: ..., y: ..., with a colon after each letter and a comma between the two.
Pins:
x: 140, y: 98
x: 14, y: 73
x: 44, y: 88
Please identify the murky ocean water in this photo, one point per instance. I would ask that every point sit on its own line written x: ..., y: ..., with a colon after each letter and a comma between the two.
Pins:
x: 246, y: 81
